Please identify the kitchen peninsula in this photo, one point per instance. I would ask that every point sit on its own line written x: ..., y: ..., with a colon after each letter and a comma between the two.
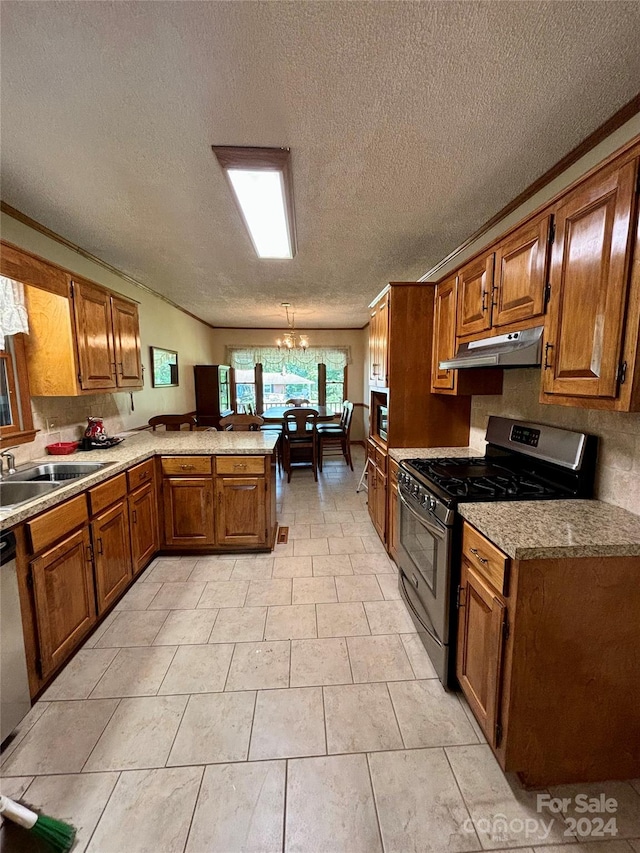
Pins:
x: 81, y: 545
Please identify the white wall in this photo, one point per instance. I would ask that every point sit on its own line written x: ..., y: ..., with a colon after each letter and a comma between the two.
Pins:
x: 160, y: 325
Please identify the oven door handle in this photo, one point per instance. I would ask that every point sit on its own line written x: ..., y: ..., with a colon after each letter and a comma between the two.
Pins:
x: 436, y: 529
x: 421, y: 618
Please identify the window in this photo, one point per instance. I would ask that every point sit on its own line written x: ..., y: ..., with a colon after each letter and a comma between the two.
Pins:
x: 275, y: 377
x: 16, y: 421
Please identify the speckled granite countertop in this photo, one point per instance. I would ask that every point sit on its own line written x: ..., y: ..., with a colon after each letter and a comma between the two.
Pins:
x: 137, y: 448
x: 400, y: 453
x: 536, y: 530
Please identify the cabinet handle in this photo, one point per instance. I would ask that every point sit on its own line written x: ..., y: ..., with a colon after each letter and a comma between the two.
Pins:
x: 100, y: 548
x: 113, y: 368
x: 143, y: 475
x: 89, y: 554
x: 187, y: 467
x: 459, y: 597
x: 374, y: 368
x: 135, y: 516
x: 547, y: 364
x: 484, y: 301
x: 119, y: 364
x: 476, y: 554
x: 240, y: 466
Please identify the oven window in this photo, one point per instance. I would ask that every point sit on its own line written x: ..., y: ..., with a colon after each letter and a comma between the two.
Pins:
x: 421, y: 546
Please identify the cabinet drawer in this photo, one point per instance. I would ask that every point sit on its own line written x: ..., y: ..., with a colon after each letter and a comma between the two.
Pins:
x: 188, y: 465
x: 52, y: 526
x: 393, y: 471
x: 140, y: 474
x: 487, y: 559
x: 381, y: 460
x: 240, y: 464
x: 371, y: 449
x: 102, y: 496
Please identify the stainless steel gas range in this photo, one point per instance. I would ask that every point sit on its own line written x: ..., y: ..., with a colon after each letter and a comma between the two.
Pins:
x: 523, y: 461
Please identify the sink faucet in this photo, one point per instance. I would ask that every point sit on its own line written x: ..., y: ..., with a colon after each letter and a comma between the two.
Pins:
x: 11, y: 460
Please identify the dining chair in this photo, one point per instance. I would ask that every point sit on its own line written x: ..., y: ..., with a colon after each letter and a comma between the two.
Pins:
x: 241, y: 423
x: 333, y: 434
x: 297, y: 402
x: 299, y: 439
x: 172, y: 423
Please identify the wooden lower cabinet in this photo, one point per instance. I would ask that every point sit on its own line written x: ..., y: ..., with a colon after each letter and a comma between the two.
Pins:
x: 111, y: 554
x: 377, y: 486
x: 241, y: 517
x: 64, y: 598
x: 188, y: 511
x: 393, y: 530
x: 548, y: 662
x: 143, y: 526
x: 481, y: 632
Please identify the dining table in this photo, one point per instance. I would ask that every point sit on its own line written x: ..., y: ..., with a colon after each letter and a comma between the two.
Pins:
x: 275, y: 415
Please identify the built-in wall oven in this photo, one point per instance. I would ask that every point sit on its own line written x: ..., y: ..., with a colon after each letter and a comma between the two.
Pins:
x: 523, y: 461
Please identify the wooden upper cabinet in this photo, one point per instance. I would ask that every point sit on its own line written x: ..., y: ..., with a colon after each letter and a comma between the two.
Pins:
x: 126, y: 335
x: 475, y: 287
x: 521, y: 274
x: 379, y: 343
x: 481, y: 634
x: 589, y: 286
x: 444, y: 334
x: 94, y: 335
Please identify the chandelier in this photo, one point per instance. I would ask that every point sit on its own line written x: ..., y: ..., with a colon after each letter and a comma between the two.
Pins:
x: 291, y: 339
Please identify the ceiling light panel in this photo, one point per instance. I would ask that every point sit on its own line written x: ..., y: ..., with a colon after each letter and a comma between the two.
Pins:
x: 261, y: 181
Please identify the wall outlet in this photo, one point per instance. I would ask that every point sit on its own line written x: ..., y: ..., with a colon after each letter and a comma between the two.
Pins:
x: 52, y: 423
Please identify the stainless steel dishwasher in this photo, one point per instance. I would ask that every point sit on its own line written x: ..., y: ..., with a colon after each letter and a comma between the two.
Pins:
x: 15, y: 700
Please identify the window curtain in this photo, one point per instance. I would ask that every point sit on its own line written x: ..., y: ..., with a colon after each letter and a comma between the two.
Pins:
x: 13, y: 312
x: 274, y: 360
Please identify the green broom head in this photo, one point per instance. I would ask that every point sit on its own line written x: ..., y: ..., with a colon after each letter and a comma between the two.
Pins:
x: 58, y: 834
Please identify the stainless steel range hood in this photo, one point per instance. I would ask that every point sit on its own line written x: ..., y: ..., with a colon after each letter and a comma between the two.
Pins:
x: 517, y: 349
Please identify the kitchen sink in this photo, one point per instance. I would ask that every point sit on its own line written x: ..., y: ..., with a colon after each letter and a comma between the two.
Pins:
x: 56, y: 472
x: 14, y: 493
x: 39, y: 480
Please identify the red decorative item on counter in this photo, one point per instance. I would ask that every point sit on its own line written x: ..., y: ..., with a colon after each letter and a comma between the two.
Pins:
x: 95, y: 429
x: 62, y: 448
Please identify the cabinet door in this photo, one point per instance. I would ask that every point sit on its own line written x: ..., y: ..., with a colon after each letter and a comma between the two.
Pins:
x: 371, y: 490
x: 521, y: 274
x: 475, y: 284
x: 480, y: 648
x: 373, y: 346
x: 380, y: 505
x: 589, y: 286
x: 126, y: 333
x: 94, y: 332
x: 241, y: 510
x: 64, y: 598
x: 392, y: 522
x: 188, y: 511
x: 143, y: 524
x: 111, y: 554
x: 382, y: 376
x: 444, y: 334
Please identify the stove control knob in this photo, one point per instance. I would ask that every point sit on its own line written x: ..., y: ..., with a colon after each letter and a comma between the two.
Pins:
x: 432, y: 504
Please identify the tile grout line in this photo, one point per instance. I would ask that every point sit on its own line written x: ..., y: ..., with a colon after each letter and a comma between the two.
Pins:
x: 253, y: 719
x: 104, y: 808
x: 195, y: 803
x: 395, y: 714
x: 98, y: 739
x: 373, y: 797
x: 175, y: 734
x: 466, y: 805
x: 226, y: 678
x: 284, y: 805
x: 324, y: 720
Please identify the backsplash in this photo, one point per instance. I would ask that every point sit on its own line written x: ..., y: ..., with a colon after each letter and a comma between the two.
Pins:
x: 65, y: 419
x: 618, y: 470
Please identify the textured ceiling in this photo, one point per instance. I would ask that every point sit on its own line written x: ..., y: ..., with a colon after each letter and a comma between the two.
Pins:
x: 410, y: 124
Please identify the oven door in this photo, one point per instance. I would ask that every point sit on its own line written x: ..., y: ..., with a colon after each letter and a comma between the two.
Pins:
x: 424, y: 556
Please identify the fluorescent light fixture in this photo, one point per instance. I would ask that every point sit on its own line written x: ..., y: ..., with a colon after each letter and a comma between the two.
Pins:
x: 261, y: 182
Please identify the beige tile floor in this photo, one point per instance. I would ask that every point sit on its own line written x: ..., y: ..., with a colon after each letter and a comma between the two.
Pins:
x: 277, y: 703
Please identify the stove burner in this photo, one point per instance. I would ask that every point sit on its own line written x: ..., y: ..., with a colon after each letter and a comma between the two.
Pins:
x: 478, y: 478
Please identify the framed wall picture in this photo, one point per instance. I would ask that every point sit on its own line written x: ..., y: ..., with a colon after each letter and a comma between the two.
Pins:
x: 164, y: 367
